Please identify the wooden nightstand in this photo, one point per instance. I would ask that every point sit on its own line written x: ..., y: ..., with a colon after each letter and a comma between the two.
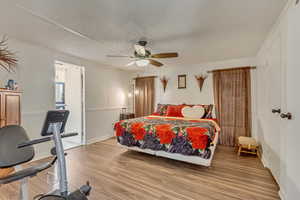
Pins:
x: 124, y: 116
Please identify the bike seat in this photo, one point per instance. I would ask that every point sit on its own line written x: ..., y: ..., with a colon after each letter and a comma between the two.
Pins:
x: 10, y: 154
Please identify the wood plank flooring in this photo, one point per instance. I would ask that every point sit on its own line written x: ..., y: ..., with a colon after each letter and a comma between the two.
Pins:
x: 118, y: 174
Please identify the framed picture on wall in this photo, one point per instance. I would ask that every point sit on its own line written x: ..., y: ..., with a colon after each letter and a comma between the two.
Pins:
x: 181, y: 81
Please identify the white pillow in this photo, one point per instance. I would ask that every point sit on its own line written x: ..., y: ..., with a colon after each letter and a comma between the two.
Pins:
x: 195, y: 112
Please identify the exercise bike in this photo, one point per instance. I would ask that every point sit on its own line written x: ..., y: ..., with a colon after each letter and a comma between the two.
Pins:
x: 16, y: 149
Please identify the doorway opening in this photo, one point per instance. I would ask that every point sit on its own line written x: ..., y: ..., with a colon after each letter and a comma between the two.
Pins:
x: 69, y: 95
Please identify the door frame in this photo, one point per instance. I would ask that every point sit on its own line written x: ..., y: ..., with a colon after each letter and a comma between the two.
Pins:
x: 83, y: 109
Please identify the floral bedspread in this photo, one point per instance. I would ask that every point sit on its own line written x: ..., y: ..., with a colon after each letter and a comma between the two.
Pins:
x: 170, y: 134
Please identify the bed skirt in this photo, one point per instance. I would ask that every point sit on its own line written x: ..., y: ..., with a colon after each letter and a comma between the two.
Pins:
x: 176, y: 156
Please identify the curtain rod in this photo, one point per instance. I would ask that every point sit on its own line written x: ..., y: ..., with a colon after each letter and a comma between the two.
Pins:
x: 144, y: 77
x: 229, y: 69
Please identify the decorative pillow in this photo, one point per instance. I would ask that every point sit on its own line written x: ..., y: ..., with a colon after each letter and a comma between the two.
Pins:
x: 156, y: 114
x: 161, y: 109
x: 174, y: 110
x: 208, y: 111
x: 196, y: 112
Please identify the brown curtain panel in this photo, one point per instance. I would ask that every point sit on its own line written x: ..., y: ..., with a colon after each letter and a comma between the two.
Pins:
x: 144, y: 96
x: 232, y: 95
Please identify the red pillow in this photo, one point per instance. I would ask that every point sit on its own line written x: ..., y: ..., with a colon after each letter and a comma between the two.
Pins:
x: 175, y: 111
x: 155, y: 114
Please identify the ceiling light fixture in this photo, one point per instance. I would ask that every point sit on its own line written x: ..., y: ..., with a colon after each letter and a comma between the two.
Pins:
x: 142, y: 62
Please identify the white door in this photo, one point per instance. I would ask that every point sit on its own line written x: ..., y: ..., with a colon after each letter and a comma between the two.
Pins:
x: 293, y: 105
x: 273, y: 98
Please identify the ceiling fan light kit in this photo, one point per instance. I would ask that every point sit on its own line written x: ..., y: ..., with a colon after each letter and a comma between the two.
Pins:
x: 142, y: 62
x: 143, y: 56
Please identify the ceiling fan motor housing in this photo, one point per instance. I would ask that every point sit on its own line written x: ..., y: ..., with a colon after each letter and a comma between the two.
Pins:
x: 148, y: 53
x: 143, y: 56
x: 142, y: 43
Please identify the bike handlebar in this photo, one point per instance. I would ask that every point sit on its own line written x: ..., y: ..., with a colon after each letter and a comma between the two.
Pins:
x: 42, y: 140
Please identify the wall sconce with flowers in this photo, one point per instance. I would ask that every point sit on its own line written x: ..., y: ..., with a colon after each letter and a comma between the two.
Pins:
x: 8, y: 61
x: 164, y: 81
x: 200, y: 80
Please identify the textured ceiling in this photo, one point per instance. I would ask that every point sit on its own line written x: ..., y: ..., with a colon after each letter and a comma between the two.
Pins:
x: 199, y: 30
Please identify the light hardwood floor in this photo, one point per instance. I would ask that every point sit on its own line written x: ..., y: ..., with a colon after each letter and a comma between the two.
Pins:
x: 118, y: 174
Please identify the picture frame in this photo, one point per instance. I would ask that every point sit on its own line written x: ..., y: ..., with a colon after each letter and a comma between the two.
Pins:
x: 181, y: 81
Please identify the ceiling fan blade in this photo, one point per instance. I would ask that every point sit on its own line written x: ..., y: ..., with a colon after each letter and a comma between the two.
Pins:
x: 140, y: 50
x: 130, y: 64
x: 118, y: 56
x: 165, y: 55
x: 155, y: 63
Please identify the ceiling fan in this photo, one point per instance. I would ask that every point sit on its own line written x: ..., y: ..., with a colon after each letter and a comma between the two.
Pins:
x: 142, y: 56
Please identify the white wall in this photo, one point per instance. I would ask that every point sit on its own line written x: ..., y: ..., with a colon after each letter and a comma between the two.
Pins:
x: 106, y: 90
x: 192, y: 94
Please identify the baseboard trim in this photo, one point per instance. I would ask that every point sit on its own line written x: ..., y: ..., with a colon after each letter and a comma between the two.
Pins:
x: 264, y: 161
x: 282, y: 195
x: 99, y: 139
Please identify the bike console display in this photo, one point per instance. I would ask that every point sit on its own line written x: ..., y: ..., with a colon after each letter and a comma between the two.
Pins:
x: 57, y: 117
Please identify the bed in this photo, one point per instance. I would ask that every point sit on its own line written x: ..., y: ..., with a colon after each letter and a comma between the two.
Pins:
x: 189, y: 140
